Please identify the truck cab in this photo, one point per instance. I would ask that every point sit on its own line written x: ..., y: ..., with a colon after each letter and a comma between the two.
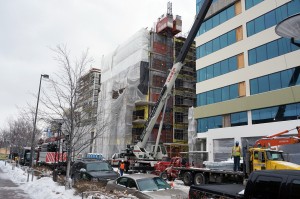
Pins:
x: 268, y: 159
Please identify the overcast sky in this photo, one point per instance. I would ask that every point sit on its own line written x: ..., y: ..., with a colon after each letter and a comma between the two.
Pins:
x: 29, y: 28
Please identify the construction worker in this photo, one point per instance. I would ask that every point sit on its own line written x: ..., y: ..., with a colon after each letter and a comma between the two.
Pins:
x: 122, y: 167
x: 236, y: 154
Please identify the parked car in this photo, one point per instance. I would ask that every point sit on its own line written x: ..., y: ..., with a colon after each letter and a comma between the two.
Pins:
x: 93, y: 170
x: 145, y: 186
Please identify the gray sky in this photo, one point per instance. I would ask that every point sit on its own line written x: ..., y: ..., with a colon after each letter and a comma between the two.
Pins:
x: 28, y: 28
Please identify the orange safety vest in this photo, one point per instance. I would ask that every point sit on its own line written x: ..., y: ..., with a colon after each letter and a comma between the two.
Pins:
x: 122, y: 166
x: 236, y: 151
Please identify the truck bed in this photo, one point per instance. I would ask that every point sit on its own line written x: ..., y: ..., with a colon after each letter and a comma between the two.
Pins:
x: 224, y: 190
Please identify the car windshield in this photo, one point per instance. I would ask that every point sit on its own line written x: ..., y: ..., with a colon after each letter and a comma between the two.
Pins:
x: 152, y: 184
x: 274, y: 155
x: 98, y: 166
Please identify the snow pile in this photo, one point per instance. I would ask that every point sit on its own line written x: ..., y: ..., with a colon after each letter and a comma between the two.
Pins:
x: 38, y: 188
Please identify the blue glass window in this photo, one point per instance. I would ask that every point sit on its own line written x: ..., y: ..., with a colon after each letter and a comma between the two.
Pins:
x: 217, y: 20
x: 230, y: 12
x: 210, y: 97
x: 265, y: 115
x: 217, y: 95
x: 272, y: 50
x: 210, y: 72
x: 209, y: 47
x: 259, y: 24
x: 239, y: 119
x: 286, y: 78
x: 263, y: 84
x: 251, y: 3
x: 202, y: 74
x: 231, y: 37
x: 233, y: 65
x: 275, y: 81
x: 224, y: 66
x: 209, y: 123
x: 261, y: 53
x: 273, y: 17
x: 217, y: 69
x: 252, y: 57
x: 253, y: 86
x: 216, y: 44
x: 225, y: 93
x: 233, y: 89
x: 203, y: 99
x: 223, y: 41
x: 270, y: 19
x: 250, y: 28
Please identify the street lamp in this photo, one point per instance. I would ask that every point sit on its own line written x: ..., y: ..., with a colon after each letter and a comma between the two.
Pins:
x: 290, y: 28
x: 34, y: 124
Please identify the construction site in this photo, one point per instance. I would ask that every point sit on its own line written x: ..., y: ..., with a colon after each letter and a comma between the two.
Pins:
x: 132, y: 78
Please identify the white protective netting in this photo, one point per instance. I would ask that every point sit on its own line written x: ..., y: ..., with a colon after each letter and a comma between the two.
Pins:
x: 120, y: 75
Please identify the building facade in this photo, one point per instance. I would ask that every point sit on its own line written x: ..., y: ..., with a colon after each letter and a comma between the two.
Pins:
x: 89, y: 88
x: 247, y: 76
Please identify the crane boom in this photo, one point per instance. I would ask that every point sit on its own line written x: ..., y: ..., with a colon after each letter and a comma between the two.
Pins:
x: 170, y: 81
x: 274, y: 140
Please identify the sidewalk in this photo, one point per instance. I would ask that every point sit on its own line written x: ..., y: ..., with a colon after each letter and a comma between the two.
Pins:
x: 10, y: 190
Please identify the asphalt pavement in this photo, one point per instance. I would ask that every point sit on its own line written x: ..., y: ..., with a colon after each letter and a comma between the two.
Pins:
x: 10, y: 190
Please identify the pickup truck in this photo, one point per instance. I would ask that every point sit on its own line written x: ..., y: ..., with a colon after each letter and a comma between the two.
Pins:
x: 261, y: 184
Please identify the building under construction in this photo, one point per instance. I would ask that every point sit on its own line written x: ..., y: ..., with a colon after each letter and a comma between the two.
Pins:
x: 133, y: 76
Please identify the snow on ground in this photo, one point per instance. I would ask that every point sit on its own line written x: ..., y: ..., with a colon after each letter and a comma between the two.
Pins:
x: 46, y: 188
x: 38, y: 188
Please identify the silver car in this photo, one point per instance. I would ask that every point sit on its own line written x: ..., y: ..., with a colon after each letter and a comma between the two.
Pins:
x: 145, y: 186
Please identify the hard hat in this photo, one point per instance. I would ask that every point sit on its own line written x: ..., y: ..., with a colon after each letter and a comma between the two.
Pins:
x: 122, y: 160
x: 237, y: 142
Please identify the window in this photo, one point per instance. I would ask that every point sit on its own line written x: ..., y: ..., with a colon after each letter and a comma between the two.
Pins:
x: 267, y: 51
x: 217, y: 69
x: 224, y: 66
x: 209, y: 123
x: 272, y: 50
x: 218, y: 95
x: 266, y: 187
x: 251, y: 3
x: 271, y: 18
x: 265, y: 115
x: 216, y: 20
x: 259, y: 24
x: 217, y: 43
x: 263, y: 84
x: 261, y: 53
x: 275, y: 81
x: 239, y: 119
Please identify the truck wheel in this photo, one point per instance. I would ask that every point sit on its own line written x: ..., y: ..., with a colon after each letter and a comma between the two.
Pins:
x: 164, y: 175
x: 187, y: 178
x: 199, y: 179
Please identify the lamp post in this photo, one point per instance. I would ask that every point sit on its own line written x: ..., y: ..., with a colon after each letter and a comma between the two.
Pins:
x: 290, y: 28
x: 35, y: 118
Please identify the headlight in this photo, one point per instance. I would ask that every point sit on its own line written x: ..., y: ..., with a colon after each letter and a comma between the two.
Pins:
x: 94, y: 179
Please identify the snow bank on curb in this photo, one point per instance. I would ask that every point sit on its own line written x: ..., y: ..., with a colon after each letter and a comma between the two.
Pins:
x: 38, y: 188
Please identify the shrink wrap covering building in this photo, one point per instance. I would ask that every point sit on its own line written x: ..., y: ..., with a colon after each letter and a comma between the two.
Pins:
x: 122, y: 74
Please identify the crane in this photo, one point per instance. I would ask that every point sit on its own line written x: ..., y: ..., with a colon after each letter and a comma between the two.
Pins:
x: 276, y: 140
x: 138, y: 150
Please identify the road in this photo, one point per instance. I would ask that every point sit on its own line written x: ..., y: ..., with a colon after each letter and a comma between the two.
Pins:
x: 10, y: 190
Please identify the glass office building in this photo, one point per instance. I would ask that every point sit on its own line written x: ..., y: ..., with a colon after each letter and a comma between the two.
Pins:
x: 248, y: 83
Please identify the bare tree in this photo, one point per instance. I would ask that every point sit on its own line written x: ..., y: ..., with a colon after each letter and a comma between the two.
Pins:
x: 61, y: 101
